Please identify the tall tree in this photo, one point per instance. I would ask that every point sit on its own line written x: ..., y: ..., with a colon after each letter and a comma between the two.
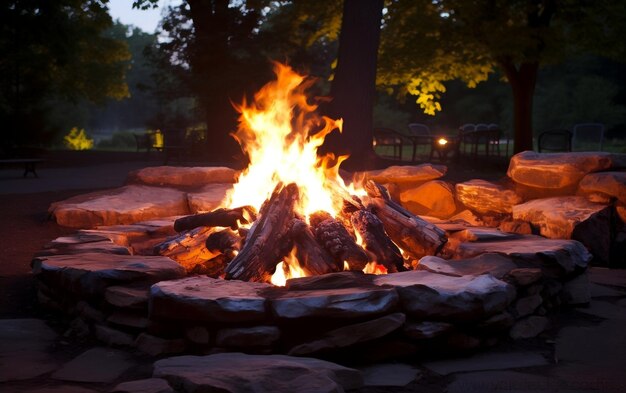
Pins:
x: 353, y: 87
x: 426, y: 43
x: 54, y: 50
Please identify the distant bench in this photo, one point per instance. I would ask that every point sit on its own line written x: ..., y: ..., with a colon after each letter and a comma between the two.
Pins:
x: 30, y: 164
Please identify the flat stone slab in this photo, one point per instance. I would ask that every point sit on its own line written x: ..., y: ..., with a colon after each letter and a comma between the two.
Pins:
x: 612, y: 184
x: 509, y: 381
x: 389, y: 374
x: 237, y: 372
x: 24, y: 349
x: 560, y: 170
x: 497, y: 265
x: 565, y: 255
x: 433, y: 198
x: 125, y: 235
x: 247, y: 337
x: 405, y: 174
x: 439, y: 297
x: 483, y: 196
x: 602, y: 345
x: 353, y: 334
x: 175, y: 176
x: 91, y: 273
x: 606, y: 276
x: 149, y: 385
x: 487, y: 361
x: 131, y: 297
x: 208, y: 299
x: 557, y: 217
x: 208, y: 198
x: 125, y: 205
x: 473, y: 234
x: 95, y: 365
x: 334, y: 303
x: 81, y: 243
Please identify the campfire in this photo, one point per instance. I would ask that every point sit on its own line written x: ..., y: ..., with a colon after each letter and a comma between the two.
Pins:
x: 290, y: 214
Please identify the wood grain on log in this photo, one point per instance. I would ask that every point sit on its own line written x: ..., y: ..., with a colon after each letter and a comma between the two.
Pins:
x: 268, y: 239
x: 336, y: 239
x: 414, y: 235
x: 225, y: 242
x: 187, y: 248
x: 312, y: 257
x: 376, y: 241
x: 217, y: 218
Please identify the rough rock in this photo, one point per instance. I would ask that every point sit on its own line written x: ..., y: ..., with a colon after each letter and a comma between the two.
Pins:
x: 612, y: 184
x: 174, y: 176
x: 150, y: 385
x: 577, y: 290
x: 257, y: 336
x: 125, y: 205
x: 527, y: 305
x: 473, y: 234
x: 525, y: 276
x: 345, y: 279
x: 95, y: 365
x: 208, y: 198
x: 498, y: 322
x: 347, y: 336
x: 529, y: 327
x: 560, y: 170
x: 112, y: 336
x: 434, y: 198
x: 438, y: 297
x: 427, y: 329
x: 207, y: 299
x: 237, y: 372
x: 155, y: 346
x: 129, y: 318
x: 554, y: 256
x: 80, y: 243
x: 23, y: 349
x: 558, y: 216
x: 485, y: 197
x: 197, y: 334
x: 389, y: 374
x: 571, y: 217
x: 515, y: 226
x: 126, y: 235
x: 495, y: 264
x: 127, y: 297
x: 91, y: 273
x: 334, y: 303
x: 405, y: 174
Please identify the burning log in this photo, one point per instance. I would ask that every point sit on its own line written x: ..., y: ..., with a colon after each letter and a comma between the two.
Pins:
x: 336, y: 239
x: 217, y: 218
x: 268, y: 239
x: 312, y: 257
x: 225, y: 242
x: 376, y: 241
x: 188, y: 248
x: 213, y: 267
x: 414, y: 235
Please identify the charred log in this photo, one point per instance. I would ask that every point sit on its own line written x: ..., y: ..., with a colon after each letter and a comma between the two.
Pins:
x: 336, y: 239
x: 217, y: 218
x: 376, y: 241
x: 268, y: 240
x: 224, y: 242
x: 187, y: 248
x: 414, y: 235
x: 311, y: 256
x: 213, y: 267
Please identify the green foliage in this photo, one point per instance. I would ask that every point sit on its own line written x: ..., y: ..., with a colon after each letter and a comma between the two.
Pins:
x: 78, y: 140
x: 54, y: 50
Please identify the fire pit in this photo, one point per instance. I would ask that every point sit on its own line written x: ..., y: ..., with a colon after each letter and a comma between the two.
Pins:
x: 293, y: 260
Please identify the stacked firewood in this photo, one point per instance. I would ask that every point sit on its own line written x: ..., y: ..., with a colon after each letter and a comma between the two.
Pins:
x: 325, y: 244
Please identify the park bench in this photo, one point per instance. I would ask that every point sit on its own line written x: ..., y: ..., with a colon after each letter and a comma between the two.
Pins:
x: 29, y: 164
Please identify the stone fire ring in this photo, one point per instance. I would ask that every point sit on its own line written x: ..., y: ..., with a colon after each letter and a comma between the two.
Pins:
x: 505, y: 285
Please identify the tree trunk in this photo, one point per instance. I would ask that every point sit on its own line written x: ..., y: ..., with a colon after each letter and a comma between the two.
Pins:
x: 354, y: 85
x: 523, y: 80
